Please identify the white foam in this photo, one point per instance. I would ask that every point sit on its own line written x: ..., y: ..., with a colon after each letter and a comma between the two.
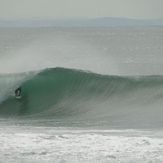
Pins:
x: 39, y: 144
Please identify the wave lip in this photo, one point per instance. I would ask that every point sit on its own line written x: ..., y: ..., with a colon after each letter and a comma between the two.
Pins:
x: 74, y: 94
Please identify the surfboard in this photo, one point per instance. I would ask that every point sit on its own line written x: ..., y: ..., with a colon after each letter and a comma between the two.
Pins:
x: 18, y: 97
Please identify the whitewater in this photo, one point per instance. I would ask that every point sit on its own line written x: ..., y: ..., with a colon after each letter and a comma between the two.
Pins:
x: 88, y: 94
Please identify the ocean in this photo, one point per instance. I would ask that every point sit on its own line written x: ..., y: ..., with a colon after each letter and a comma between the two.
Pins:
x: 89, y: 94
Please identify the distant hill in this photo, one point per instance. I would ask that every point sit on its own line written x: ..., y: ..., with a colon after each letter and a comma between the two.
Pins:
x: 97, y: 22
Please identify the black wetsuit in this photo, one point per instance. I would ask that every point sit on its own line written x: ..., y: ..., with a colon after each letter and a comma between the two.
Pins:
x: 18, y: 91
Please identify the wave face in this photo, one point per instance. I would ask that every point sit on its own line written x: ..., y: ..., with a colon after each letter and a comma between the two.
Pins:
x: 60, y: 93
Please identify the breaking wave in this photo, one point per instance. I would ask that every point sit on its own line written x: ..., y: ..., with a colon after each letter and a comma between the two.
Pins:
x: 74, y: 94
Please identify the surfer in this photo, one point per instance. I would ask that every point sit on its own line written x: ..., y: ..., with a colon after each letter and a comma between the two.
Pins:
x: 18, y: 92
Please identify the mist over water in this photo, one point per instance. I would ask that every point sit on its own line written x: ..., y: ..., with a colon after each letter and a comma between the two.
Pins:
x: 54, y: 48
x: 118, y: 51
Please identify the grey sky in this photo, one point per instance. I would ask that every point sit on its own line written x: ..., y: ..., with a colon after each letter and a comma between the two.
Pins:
x: 54, y: 9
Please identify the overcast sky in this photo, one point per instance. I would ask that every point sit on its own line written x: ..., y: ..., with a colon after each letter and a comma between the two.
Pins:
x: 56, y: 9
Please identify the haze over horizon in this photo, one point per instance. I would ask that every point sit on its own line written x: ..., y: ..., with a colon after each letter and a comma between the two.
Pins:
x: 75, y: 9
